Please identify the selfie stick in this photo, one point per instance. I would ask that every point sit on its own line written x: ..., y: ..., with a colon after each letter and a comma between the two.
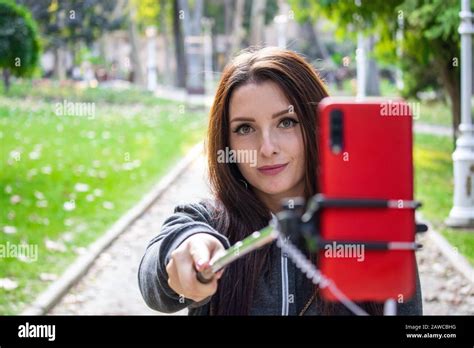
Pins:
x: 290, y: 220
x: 239, y: 249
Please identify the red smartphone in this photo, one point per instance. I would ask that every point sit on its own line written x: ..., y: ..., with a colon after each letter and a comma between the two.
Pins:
x: 365, y: 152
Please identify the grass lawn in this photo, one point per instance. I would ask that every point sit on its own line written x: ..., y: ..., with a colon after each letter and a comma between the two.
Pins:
x: 434, y: 113
x: 434, y: 187
x: 65, y: 179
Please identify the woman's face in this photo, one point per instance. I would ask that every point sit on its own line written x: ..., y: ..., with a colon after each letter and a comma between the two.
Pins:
x: 267, y: 141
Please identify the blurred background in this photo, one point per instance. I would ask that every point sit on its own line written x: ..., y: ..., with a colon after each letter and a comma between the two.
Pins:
x: 99, y: 99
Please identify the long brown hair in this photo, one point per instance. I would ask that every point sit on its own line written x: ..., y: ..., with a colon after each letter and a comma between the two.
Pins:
x: 238, y: 211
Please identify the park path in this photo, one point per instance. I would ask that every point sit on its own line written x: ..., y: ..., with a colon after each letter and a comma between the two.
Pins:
x: 110, y: 286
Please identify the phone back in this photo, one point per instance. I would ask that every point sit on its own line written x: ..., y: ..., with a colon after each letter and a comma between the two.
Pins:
x: 365, y: 151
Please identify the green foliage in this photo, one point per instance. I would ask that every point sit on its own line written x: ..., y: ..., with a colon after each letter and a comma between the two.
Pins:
x: 19, y: 42
x: 148, y: 11
x: 271, y: 10
x: 216, y: 11
x: 431, y: 39
x: 430, y: 34
x: 65, y: 22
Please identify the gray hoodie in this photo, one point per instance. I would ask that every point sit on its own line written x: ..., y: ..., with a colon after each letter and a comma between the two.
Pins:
x: 286, y: 290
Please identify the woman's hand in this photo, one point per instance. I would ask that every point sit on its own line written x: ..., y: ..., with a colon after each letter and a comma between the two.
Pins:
x: 192, y: 256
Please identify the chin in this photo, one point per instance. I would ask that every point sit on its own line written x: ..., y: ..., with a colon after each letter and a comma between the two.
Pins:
x: 272, y: 189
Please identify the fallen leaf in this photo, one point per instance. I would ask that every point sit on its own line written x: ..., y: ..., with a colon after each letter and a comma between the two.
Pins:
x: 69, y: 205
x: 108, y: 205
x: 39, y: 195
x: 80, y: 187
x: 15, y: 199
x: 54, y: 246
x: 8, y: 284
x: 9, y: 229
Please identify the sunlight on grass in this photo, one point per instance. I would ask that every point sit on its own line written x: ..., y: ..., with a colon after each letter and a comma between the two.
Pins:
x: 66, y: 179
x: 434, y: 187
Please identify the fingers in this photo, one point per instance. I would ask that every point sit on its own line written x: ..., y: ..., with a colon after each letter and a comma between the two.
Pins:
x: 200, y: 253
x: 218, y: 251
x: 182, y: 273
x: 193, y: 256
x: 219, y: 274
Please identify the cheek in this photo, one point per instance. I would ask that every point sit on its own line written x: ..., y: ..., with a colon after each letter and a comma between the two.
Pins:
x: 294, y: 146
x: 248, y: 143
x: 242, y: 142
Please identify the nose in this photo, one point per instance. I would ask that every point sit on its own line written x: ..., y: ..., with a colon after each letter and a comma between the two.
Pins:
x: 269, y: 144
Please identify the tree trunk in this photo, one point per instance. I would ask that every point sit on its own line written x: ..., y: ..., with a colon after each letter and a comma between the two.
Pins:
x: 316, y: 49
x: 450, y: 79
x: 237, y: 30
x: 228, y: 14
x: 6, y: 79
x: 451, y: 85
x: 137, y: 66
x: 257, y: 22
x: 193, y: 46
x: 59, y: 64
x: 179, y: 47
x: 167, y: 45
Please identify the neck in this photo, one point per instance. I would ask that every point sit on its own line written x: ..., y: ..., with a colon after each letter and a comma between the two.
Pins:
x: 273, y: 201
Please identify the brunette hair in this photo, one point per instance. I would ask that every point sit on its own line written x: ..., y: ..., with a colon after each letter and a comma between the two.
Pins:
x: 238, y: 211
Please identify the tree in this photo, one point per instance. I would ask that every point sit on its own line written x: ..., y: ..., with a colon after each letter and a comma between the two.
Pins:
x: 270, y: 10
x: 237, y: 30
x: 191, y: 21
x: 19, y: 42
x: 65, y: 24
x: 430, y: 43
x: 179, y: 46
x: 137, y: 66
x: 257, y: 22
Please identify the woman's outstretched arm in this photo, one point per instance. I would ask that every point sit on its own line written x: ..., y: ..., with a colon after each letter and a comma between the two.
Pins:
x: 186, y: 221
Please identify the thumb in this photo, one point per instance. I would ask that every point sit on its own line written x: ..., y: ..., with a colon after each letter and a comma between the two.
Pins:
x: 200, y: 253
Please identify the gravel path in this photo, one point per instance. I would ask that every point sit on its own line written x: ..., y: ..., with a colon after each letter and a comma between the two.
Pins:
x: 110, y: 287
x: 445, y: 290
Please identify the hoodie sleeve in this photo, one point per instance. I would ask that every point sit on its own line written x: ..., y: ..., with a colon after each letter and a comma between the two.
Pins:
x: 186, y: 221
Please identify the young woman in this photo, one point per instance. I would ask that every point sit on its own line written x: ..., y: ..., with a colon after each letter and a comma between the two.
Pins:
x: 265, y: 105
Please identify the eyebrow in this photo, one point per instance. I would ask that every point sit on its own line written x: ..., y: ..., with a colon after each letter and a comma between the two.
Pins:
x: 276, y: 114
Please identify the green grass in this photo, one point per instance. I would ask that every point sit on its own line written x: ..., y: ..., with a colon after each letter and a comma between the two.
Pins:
x: 435, y: 113
x: 116, y: 155
x: 434, y: 187
x: 52, y: 90
x: 349, y: 88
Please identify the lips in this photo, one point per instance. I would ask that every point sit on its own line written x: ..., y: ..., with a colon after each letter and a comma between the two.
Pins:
x: 272, y: 170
